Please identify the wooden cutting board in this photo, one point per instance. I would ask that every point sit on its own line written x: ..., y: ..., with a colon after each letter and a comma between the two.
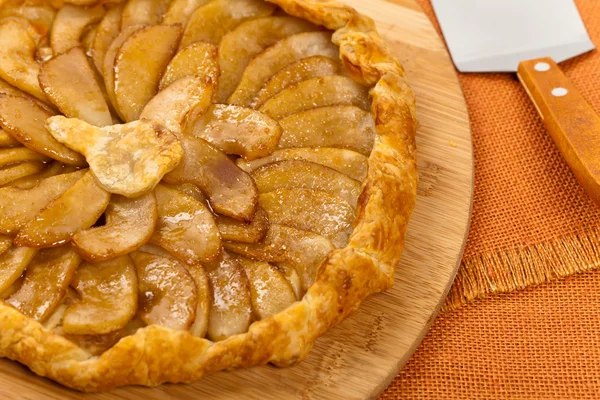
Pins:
x: 361, y: 356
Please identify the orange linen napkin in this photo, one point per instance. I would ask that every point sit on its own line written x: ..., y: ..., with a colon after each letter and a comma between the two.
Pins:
x: 532, y: 223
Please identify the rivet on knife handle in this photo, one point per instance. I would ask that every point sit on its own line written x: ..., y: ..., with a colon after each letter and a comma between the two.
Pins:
x: 569, y: 119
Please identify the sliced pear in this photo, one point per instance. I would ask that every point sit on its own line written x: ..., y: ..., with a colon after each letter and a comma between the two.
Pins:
x: 185, y: 227
x: 107, y: 32
x: 129, y: 225
x: 306, y: 174
x: 171, y: 105
x: 108, y: 66
x: 18, y: 155
x: 255, y: 231
x: 291, y: 275
x: 143, y: 12
x: 70, y: 24
x: 179, y: 11
x: 237, y: 130
x: 7, y: 141
x: 303, y: 250
x: 249, y: 39
x: 127, y: 159
x: 19, y: 206
x: 108, y: 297
x: 308, y: 68
x: 65, y: 216
x: 46, y: 282
x: 139, y: 65
x: 53, y: 169
x: 98, y: 344
x: 231, y: 309
x: 317, y: 92
x: 199, y: 59
x: 210, y: 22
x: 269, y: 290
x: 277, y: 57
x: 13, y: 172
x: 17, y: 58
x: 190, y: 190
x: 310, y: 210
x: 12, y: 264
x: 347, y: 162
x: 156, y: 250
x: 39, y: 16
x: 16, y: 285
x: 167, y: 291
x: 345, y: 127
x: 230, y: 191
x: 5, y: 243
x: 23, y: 119
x: 87, y: 40
x: 70, y: 82
x: 203, y: 300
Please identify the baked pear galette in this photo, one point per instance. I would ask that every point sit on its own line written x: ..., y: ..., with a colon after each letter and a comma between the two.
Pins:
x: 188, y: 186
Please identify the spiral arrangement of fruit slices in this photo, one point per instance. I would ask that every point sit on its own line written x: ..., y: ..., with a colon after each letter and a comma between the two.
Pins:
x: 275, y: 141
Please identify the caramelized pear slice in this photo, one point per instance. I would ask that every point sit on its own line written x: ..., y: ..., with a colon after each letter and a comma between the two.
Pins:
x: 12, y: 264
x: 87, y: 40
x: 230, y: 191
x: 237, y: 130
x: 55, y: 168
x: 317, y: 92
x: 40, y: 16
x: 210, y: 22
x: 5, y: 243
x: 127, y: 159
x: 143, y: 12
x: 255, y: 231
x: 46, y: 282
x: 107, y: 31
x: 345, y: 127
x: 167, y: 292
x: 310, y: 210
x: 108, y: 297
x: 179, y: 11
x: 69, y: 25
x: 171, y: 105
x: 19, y: 206
x: 108, y: 66
x: 240, y: 46
x: 303, y: 250
x: 306, y: 174
x: 70, y: 82
x: 199, y: 59
x: 231, y: 309
x: 129, y: 225
x: 156, y: 250
x: 65, y: 216
x: 347, y: 162
x: 308, y: 68
x: 276, y: 58
x: 7, y: 141
x: 18, y: 155
x: 269, y: 290
x: 24, y: 120
x: 139, y: 64
x: 13, y: 172
x: 98, y: 344
x: 17, y: 58
x: 203, y: 300
x: 291, y: 275
x: 185, y: 227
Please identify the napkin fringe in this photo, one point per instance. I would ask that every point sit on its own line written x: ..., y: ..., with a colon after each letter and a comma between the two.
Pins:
x: 513, y: 269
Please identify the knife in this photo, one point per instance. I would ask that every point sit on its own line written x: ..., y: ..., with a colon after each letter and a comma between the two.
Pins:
x: 529, y: 37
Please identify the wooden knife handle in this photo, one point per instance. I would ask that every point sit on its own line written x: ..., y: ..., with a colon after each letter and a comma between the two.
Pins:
x: 569, y: 119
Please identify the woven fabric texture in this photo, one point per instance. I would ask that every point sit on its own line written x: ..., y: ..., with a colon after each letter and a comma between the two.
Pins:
x: 532, y: 223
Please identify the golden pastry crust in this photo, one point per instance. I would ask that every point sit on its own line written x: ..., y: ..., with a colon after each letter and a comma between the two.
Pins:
x: 154, y: 355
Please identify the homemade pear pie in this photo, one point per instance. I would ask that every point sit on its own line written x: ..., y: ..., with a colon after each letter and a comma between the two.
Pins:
x: 188, y: 186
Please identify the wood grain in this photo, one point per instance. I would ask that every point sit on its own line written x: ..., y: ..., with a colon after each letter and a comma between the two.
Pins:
x: 360, y: 357
x: 568, y: 117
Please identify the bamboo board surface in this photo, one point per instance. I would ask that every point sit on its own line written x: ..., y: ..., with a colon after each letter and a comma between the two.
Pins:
x: 360, y: 357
